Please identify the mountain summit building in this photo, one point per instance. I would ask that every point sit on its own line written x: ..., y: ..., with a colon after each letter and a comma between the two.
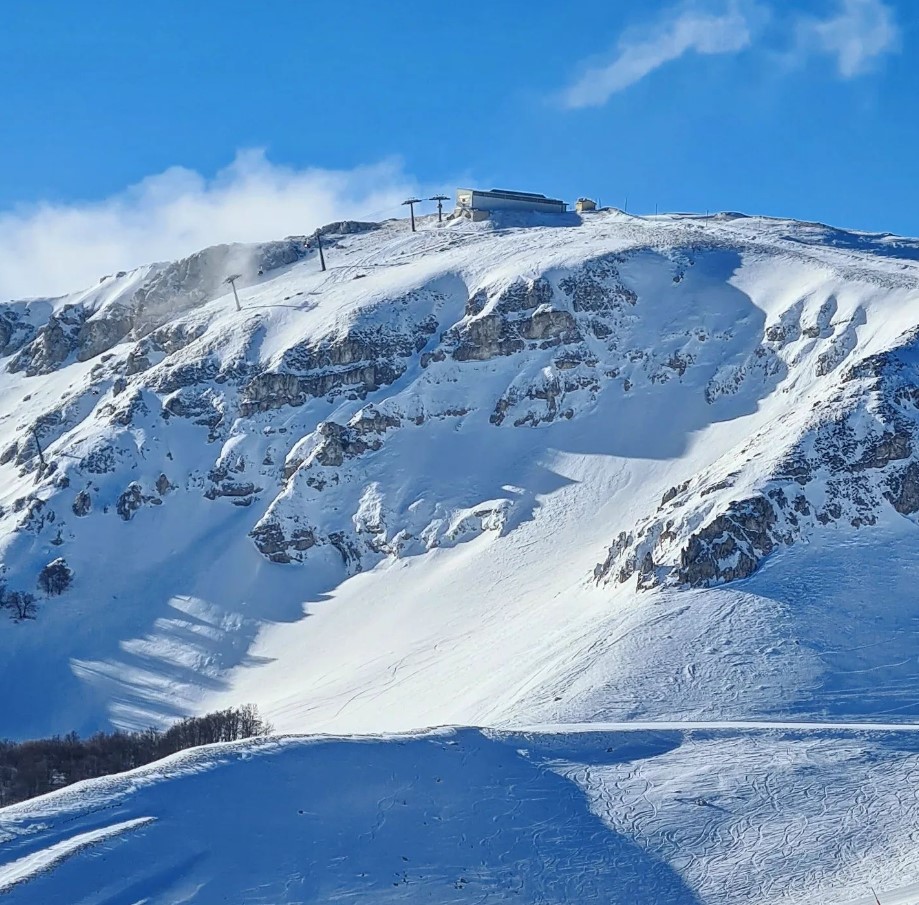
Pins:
x: 469, y: 201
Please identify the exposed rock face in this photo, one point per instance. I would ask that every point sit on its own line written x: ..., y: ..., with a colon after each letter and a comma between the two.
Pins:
x: 336, y: 444
x: 234, y: 489
x: 272, y: 543
x: 100, y: 460
x: 15, y: 332
x: 82, y: 504
x: 99, y: 335
x: 854, y: 458
x: 485, y: 338
x: 169, y: 290
x: 347, y: 227
x: 53, y: 344
x: 730, y: 546
x: 522, y: 312
x: 904, y: 490
x: 201, y: 405
x: 359, y: 362
x: 130, y: 501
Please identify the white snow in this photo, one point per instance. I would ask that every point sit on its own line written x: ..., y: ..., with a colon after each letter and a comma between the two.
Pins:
x: 476, y: 604
x: 564, y: 814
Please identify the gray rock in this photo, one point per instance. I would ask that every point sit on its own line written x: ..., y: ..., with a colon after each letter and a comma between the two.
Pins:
x: 524, y: 295
x: 886, y: 449
x: 101, y: 334
x: 82, y: 503
x: 232, y: 489
x: 130, y: 501
x: 271, y: 542
x: 903, y: 494
x: 485, y: 338
x: 53, y: 344
x: 558, y: 325
x: 731, y: 546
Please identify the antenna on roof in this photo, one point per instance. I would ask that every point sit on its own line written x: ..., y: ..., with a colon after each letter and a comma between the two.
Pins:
x: 440, y: 206
x: 411, y: 202
x: 232, y: 281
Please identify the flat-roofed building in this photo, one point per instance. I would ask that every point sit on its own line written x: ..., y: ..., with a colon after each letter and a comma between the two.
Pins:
x: 505, y: 200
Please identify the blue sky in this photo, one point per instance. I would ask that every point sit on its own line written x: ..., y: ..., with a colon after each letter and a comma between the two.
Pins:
x: 141, y: 130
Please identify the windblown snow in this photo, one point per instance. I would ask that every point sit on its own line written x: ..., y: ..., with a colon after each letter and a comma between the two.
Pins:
x: 534, y: 472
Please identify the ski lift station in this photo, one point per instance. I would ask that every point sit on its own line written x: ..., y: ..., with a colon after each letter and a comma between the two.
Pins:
x: 477, y: 203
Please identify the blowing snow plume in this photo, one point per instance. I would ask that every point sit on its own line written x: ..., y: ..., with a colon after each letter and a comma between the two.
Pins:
x: 48, y: 249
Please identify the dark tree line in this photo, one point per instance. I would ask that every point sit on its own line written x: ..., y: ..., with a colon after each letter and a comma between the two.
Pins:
x: 32, y: 768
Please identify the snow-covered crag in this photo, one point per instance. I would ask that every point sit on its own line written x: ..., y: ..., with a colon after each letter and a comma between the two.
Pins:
x: 660, y: 402
x: 851, y: 453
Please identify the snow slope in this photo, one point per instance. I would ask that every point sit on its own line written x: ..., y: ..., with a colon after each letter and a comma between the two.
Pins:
x: 543, y: 469
x: 607, y: 814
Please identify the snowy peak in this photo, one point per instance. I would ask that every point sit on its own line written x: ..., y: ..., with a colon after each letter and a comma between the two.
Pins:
x: 645, y: 403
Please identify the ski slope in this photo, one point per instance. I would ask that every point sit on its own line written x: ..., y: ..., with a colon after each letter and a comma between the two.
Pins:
x: 665, y: 813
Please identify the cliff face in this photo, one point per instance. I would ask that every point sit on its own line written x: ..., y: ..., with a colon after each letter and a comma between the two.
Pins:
x: 660, y: 403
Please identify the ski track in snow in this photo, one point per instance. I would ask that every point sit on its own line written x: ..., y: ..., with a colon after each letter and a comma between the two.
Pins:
x: 553, y: 814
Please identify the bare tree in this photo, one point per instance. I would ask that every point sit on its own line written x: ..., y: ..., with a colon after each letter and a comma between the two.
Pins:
x: 55, y: 577
x: 22, y: 604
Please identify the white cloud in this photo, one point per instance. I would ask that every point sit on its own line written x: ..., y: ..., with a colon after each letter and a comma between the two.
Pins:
x: 857, y: 35
x: 679, y: 31
x: 49, y: 249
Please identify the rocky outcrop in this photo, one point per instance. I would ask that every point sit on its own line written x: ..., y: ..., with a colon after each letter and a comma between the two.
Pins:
x: 130, y: 501
x: 347, y: 227
x: 522, y: 312
x: 271, y: 541
x: 484, y: 338
x: 82, y: 504
x: 241, y: 493
x: 101, y: 459
x: 903, y: 493
x: 204, y: 406
x: 852, y: 458
x: 53, y: 344
x: 15, y: 331
x: 730, y: 546
x: 100, y: 334
x: 359, y: 362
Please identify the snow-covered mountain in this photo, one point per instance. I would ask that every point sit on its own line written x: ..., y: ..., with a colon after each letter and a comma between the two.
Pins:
x: 543, y: 468
x: 556, y: 472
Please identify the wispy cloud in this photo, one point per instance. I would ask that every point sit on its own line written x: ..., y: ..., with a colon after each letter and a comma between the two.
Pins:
x: 679, y: 31
x: 857, y: 35
x: 49, y: 249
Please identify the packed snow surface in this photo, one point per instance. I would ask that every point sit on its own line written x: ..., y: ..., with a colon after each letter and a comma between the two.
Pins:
x: 777, y: 815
